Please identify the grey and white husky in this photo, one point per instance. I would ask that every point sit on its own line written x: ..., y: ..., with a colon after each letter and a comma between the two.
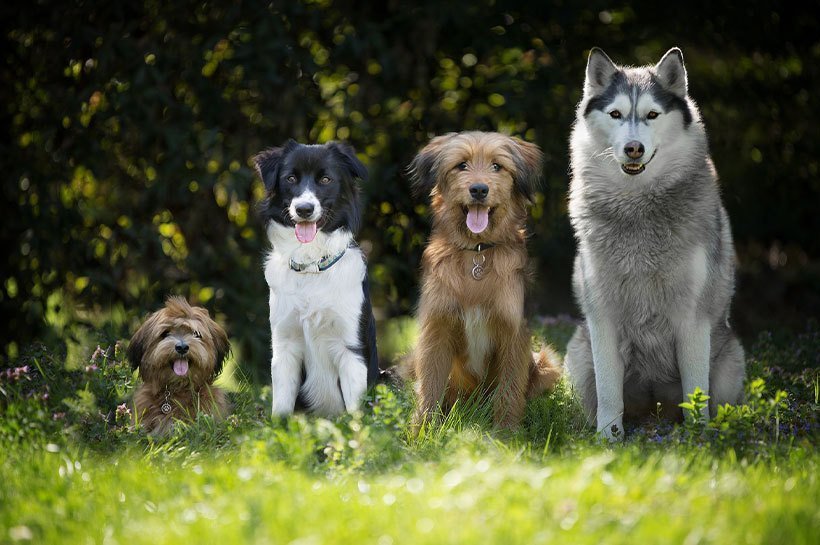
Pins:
x: 654, y: 271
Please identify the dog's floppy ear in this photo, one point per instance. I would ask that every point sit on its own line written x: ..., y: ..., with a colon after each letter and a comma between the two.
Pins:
x: 529, y: 161
x: 347, y: 155
x: 221, y: 344
x: 600, y: 70
x: 672, y: 73
x: 140, y: 341
x: 424, y: 168
x: 267, y: 164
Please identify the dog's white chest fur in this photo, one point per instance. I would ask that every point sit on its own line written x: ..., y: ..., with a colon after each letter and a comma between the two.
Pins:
x: 315, y: 323
x: 478, y: 341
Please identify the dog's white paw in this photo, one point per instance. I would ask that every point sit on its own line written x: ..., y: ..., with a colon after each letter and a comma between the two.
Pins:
x: 612, y: 432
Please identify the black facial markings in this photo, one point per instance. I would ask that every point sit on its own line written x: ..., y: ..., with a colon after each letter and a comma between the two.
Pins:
x: 617, y: 84
x: 309, y: 164
x: 670, y: 101
x: 627, y: 83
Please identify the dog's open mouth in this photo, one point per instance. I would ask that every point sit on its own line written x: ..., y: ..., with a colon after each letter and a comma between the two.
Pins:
x: 478, y: 217
x: 633, y: 168
x: 180, y: 367
x: 306, y: 230
x: 636, y: 168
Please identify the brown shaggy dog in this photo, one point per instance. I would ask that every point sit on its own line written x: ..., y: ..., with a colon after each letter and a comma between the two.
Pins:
x: 472, y: 329
x: 179, y: 351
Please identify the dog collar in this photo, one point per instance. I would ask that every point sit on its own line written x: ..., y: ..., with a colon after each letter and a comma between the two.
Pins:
x: 481, y: 246
x: 321, y: 265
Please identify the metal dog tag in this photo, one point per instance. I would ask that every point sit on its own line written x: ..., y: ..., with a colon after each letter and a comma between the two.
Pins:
x: 165, y: 408
x: 478, y: 266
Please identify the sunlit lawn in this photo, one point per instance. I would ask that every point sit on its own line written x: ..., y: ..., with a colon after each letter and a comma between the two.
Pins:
x: 362, y: 479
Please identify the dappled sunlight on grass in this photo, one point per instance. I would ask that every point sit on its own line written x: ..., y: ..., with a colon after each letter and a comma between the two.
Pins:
x: 76, y: 471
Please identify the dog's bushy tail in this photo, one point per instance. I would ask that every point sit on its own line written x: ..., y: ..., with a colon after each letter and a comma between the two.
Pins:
x: 545, y: 372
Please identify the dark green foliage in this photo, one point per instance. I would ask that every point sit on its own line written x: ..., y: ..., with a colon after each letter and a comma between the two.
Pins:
x: 130, y: 128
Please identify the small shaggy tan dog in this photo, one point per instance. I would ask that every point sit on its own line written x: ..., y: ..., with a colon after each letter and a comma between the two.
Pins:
x: 472, y: 330
x: 179, y: 351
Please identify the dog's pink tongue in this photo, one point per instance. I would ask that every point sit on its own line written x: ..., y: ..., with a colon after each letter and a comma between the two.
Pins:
x: 181, y: 367
x: 477, y: 218
x: 305, y: 231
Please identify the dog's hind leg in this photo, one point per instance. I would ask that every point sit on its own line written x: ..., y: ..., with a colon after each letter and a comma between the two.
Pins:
x: 545, y: 371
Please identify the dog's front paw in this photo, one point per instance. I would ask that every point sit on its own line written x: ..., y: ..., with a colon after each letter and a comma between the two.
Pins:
x: 612, y: 433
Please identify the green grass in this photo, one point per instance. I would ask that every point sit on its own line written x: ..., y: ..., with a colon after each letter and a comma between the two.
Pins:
x: 67, y: 476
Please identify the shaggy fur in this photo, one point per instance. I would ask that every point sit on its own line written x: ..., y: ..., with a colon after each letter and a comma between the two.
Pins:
x: 473, y: 334
x: 179, y: 351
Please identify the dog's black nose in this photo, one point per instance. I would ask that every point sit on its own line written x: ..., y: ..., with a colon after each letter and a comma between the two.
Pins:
x: 634, y: 149
x: 181, y: 348
x: 304, y: 210
x: 479, y: 191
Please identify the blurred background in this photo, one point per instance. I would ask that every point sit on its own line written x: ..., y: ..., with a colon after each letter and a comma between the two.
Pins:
x: 127, y: 173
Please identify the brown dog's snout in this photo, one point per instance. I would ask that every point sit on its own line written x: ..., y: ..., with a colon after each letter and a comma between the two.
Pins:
x: 479, y: 191
x: 181, y: 347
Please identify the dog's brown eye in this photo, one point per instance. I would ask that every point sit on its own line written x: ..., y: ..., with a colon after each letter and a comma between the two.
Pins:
x: 165, y: 334
x: 325, y: 180
x: 291, y: 179
x: 496, y: 167
x: 462, y: 165
x: 615, y: 114
x: 652, y: 115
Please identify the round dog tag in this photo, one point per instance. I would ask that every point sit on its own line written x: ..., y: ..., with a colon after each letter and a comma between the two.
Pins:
x: 165, y: 408
x: 478, y: 266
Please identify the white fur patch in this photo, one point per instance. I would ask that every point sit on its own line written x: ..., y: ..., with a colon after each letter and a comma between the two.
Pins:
x: 478, y: 341
x: 307, y: 197
x: 315, y: 320
x: 698, y: 271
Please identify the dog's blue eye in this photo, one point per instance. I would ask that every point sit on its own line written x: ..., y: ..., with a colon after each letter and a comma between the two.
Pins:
x: 496, y: 167
x: 652, y: 115
x: 325, y: 180
x: 291, y: 179
x: 462, y: 165
x: 615, y: 114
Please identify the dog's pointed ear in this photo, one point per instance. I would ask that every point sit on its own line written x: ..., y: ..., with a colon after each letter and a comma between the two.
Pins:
x: 600, y: 70
x: 529, y: 166
x: 267, y: 164
x: 423, y: 170
x: 347, y: 155
x: 672, y: 72
x: 139, y: 342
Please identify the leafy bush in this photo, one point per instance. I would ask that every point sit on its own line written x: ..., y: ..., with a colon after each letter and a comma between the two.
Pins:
x: 130, y: 128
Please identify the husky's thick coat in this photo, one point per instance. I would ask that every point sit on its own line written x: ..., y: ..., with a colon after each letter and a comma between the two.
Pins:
x: 322, y: 328
x: 654, y: 271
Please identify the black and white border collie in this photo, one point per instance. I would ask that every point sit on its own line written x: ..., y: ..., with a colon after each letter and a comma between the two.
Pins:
x: 322, y: 328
